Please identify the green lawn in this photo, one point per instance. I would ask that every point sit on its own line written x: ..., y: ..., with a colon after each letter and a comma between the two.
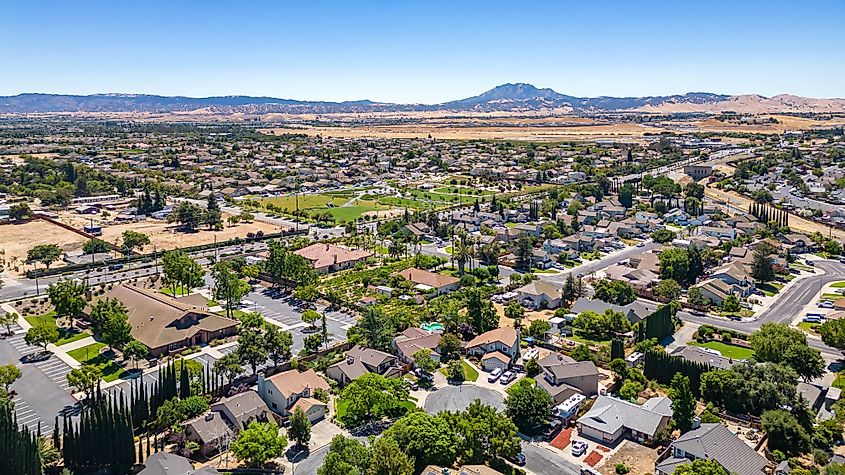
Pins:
x: 543, y: 271
x: 838, y: 285
x: 306, y: 201
x: 340, y: 406
x: 579, y: 337
x: 236, y: 313
x: 65, y: 335
x: 839, y: 382
x: 397, y: 202
x: 350, y: 213
x: 90, y: 355
x: 770, y: 288
x: 831, y: 296
x: 803, y: 267
x: 470, y: 374
x: 809, y: 327
x: 727, y: 350
x: 180, y: 291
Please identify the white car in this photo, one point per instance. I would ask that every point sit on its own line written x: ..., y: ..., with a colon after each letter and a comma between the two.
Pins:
x: 507, y: 377
x: 494, y: 375
x: 578, y: 448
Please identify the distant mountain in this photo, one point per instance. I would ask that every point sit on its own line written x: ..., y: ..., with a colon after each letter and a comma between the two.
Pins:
x: 507, y: 97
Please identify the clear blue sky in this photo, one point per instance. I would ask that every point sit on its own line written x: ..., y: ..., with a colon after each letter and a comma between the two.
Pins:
x: 433, y: 51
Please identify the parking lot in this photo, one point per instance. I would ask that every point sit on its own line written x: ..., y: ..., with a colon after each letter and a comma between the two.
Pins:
x: 42, y: 392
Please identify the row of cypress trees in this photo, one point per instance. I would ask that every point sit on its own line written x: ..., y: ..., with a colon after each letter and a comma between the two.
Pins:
x: 102, y: 437
x: 660, y: 366
x: 765, y: 213
x: 19, y: 454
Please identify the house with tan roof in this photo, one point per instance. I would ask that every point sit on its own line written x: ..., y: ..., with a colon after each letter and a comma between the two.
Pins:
x: 327, y: 258
x: 284, y: 390
x: 361, y: 360
x: 426, y: 281
x: 496, y: 348
x: 413, y: 339
x: 164, y: 324
x: 539, y: 294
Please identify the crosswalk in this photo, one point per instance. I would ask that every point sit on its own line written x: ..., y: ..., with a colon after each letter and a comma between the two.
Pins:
x: 18, y: 343
x: 26, y: 416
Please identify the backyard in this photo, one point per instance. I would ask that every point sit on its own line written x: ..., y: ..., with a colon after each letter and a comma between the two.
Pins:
x: 470, y: 373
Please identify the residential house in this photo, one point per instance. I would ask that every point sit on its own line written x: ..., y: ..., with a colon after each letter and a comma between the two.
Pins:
x: 210, y: 431
x: 327, y: 258
x: 635, y: 311
x: 284, y: 390
x: 539, y: 294
x: 707, y: 356
x: 717, y: 291
x: 420, y: 230
x: 542, y: 259
x: 564, y: 377
x: 611, y: 419
x: 164, y: 324
x: 359, y: 361
x: 485, y: 346
x: 722, y: 233
x: 465, y: 470
x: 242, y: 408
x: 713, y: 441
x: 640, y: 279
x: 414, y: 339
x: 164, y: 463
x: 426, y: 281
x: 798, y: 243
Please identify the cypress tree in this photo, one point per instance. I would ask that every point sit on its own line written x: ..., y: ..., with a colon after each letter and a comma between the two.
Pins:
x: 617, y: 349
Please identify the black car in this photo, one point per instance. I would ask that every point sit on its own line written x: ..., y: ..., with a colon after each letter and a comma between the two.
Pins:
x: 518, y: 459
x: 116, y: 267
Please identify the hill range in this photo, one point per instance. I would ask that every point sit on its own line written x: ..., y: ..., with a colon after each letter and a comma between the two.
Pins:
x: 519, y: 97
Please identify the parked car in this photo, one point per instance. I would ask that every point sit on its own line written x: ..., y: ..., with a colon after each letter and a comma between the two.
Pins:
x: 494, y: 375
x: 116, y: 267
x: 518, y: 459
x: 579, y: 448
x: 507, y: 377
x: 640, y: 244
x: 825, y: 304
x: 552, y: 429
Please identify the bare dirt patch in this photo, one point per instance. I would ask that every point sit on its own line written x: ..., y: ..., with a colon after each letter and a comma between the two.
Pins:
x: 17, y: 239
x: 638, y: 458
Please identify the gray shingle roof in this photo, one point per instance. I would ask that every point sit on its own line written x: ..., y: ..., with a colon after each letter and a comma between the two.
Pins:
x: 714, y: 441
x: 609, y: 414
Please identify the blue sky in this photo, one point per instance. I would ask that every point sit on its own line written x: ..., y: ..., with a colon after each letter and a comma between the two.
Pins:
x: 404, y: 51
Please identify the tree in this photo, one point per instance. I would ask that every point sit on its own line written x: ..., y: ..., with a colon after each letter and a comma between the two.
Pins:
x: 785, y: 433
x: 228, y: 287
x: 750, y: 387
x: 259, y: 443
x: 485, y: 433
x: 832, y: 247
x: 538, y: 329
x: 300, y: 427
x: 833, y: 333
x: 428, y: 439
x: 619, y: 367
x: 310, y: 317
x: 626, y: 195
x: 85, y: 379
x: 213, y: 217
x: 134, y: 240
x: 181, y: 270
x: 668, y: 290
x: 135, y: 351
x: 696, y: 297
x: 96, y: 246
x: 532, y: 368
x: 762, y: 269
x: 252, y: 347
x: 19, y: 212
x: 480, y: 312
x: 372, y: 396
x: 9, y: 374
x: 346, y: 456
x: 700, y: 467
x: 515, y: 312
x: 663, y: 236
x: 779, y: 343
x: 389, y: 459
x: 115, y: 330
x: 455, y: 371
x: 683, y: 402
x: 41, y: 334
x: 674, y: 264
x: 424, y: 361
x: 188, y: 215
x: 67, y: 297
x: 523, y: 250
x: 229, y: 366
x: 449, y: 347
x: 278, y: 344
x: 583, y: 353
x: 7, y: 319
x: 528, y: 405
x: 630, y: 390
x: 614, y: 291
x: 731, y: 304
x: 44, y: 253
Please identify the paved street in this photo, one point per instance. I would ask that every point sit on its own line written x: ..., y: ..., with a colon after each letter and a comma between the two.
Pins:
x: 542, y: 461
x: 459, y: 397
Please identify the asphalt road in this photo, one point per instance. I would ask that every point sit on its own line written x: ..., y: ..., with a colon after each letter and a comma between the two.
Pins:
x: 458, y: 397
x: 542, y: 461
x: 786, y: 309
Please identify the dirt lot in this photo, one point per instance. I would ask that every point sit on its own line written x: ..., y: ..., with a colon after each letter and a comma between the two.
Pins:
x: 638, y: 458
x: 529, y: 317
x: 165, y: 235
x: 17, y: 239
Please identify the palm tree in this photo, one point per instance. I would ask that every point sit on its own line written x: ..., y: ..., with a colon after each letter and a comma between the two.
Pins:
x: 462, y: 251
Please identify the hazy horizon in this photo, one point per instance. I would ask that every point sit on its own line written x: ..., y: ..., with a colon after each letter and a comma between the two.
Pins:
x: 425, y: 53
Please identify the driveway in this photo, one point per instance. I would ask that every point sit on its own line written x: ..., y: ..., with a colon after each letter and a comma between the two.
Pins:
x: 543, y: 461
x: 459, y: 397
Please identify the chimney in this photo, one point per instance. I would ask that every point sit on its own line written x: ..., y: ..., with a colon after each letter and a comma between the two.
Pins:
x: 350, y: 360
x: 261, y: 383
x: 209, y: 416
